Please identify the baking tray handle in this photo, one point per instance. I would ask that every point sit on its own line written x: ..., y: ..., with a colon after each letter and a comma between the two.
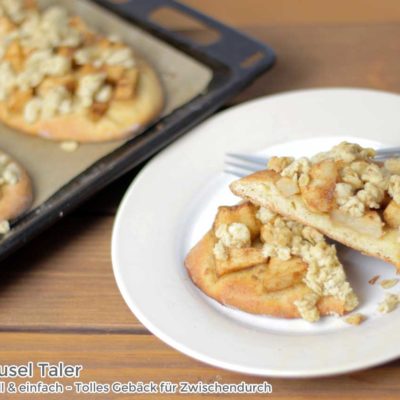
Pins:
x: 242, y: 54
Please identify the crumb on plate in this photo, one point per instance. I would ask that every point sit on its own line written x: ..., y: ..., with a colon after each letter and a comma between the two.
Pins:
x: 69, y: 146
x: 373, y: 280
x: 355, y: 319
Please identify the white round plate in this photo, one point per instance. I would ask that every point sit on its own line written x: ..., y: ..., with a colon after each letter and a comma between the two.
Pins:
x: 173, y: 201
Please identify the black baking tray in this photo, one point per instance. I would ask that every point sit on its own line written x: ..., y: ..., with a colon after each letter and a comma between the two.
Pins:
x: 235, y: 60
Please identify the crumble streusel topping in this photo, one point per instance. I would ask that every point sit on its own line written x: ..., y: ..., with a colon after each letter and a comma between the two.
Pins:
x: 361, y: 184
x: 52, y: 63
x: 284, y: 239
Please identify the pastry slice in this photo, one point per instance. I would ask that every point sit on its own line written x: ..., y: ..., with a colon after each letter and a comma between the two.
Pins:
x: 62, y: 80
x: 15, y: 191
x: 255, y: 260
x: 344, y: 193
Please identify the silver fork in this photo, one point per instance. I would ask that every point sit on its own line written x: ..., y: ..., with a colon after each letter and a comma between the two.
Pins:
x: 240, y: 165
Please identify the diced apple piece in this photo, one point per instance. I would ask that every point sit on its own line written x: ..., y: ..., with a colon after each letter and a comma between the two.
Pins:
x: 105, y: 43
x: 239, y: 259
x: 391, y: 215
x: 287, y: 186
x: 6, y: 25
x: 68, y: 81
x: 78, y: 23
x: 97, y: 110
x: 283, y: 274
x: 319, y: 193
x: 87, y: 69
x: 114, y: 72
x: 324, y: 173
x: 30, y: 4
x: 15, y: 55
x: 126, y: 86
x: 244, y: 213
x: 369, y: 224
x: 17, y: 100
x: 65, y: 51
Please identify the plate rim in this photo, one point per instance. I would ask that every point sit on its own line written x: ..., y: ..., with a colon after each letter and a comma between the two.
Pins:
x: 261, y: 372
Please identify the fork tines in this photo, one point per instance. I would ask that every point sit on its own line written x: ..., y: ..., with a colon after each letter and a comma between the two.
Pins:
x: 243, y: 164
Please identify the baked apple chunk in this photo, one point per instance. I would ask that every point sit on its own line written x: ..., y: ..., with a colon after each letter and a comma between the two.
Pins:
x: 259, y: 262
x: 344, y: 193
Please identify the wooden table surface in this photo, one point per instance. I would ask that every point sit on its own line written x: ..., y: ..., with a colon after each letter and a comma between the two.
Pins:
x: 59, y: 300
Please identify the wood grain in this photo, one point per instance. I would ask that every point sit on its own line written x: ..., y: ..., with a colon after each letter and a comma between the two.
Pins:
x: 306, y: 12
x: 63, y: 281
x: 324, y: 56
x: 59, y: 300
x: 108, y: 358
